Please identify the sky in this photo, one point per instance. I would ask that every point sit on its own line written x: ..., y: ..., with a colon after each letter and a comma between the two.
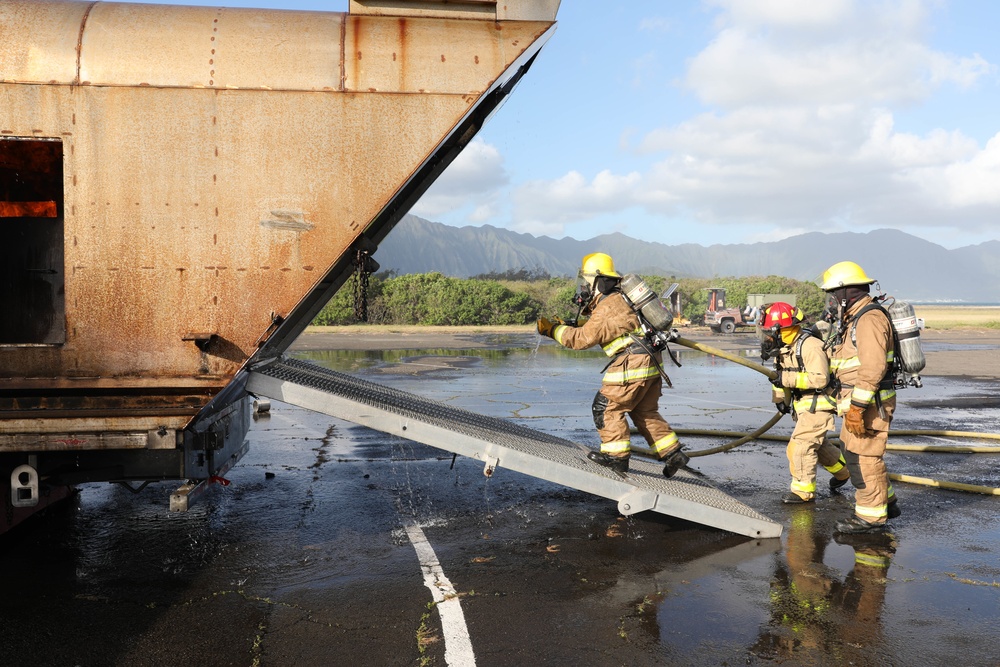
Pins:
x: 740, y: 121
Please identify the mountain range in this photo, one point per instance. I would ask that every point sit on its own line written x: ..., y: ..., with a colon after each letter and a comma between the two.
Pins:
x: 905, y: 266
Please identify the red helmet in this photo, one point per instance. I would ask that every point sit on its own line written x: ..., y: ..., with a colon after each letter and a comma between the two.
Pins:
x: 780, y: 315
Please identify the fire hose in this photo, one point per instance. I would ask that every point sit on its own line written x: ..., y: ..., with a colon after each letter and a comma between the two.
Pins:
x: 761, y: 433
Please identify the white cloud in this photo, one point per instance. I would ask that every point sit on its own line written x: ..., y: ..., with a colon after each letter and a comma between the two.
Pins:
x: 544, y: 207
x: 783, y: 51
x: 477, y: 175
x: 967, y: 184
x: 802, y: 132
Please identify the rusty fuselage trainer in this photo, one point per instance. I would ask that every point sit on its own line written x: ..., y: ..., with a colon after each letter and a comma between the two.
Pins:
x: 183, y: 188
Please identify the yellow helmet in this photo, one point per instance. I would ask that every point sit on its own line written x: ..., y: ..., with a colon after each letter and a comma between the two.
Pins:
x: 844, y: 274
x: 598, y: 264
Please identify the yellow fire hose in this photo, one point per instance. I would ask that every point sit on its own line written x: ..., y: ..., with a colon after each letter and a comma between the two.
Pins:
x: 760, y: 434
x: 708, y: 349
x: 956, y: 486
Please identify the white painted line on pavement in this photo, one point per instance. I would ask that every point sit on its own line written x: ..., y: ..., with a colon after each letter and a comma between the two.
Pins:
x: 457, y: 644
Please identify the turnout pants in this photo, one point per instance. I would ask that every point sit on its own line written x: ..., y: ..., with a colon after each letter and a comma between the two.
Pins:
x: 639, y: 400
x: 809, y: 446
x: 865, y: 460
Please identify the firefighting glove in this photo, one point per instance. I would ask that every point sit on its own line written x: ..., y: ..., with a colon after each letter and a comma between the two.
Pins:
x: 545, y: 327
x: 776, y: 381
x: 854, y: 421
x: 782, y: 407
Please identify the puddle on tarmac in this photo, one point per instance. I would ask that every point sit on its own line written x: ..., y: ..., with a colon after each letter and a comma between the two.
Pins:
x: 325, y: 527
x: 914, y: 595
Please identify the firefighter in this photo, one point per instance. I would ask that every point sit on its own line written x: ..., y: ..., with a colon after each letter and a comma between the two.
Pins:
x: 802, y: 387
x: 861, y: 359
x: 632, y: 382
x: 862, y: 594
x: 815, y: 615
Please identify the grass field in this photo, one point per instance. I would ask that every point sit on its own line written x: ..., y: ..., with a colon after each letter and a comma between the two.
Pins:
x: 957, y: 317
x: 935, y: 317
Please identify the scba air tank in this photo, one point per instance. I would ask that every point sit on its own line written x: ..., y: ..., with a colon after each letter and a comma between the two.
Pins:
x: 904, y: 321
x: 645, y: 302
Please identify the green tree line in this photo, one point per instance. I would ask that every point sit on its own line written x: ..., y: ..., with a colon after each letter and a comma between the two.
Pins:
x: 521, y: 297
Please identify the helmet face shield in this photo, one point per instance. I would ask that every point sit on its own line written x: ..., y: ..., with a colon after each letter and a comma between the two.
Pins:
x: 770, y: 341
x: 779, y: 326
x: 830, y: 308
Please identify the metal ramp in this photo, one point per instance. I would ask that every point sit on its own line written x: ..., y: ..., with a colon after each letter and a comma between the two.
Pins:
x: 499, y: 442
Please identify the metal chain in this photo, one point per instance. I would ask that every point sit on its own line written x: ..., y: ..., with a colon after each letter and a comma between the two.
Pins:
x: 361, y: 286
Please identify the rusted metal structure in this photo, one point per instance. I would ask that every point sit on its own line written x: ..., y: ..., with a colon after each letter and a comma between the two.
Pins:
x: 183, y: 188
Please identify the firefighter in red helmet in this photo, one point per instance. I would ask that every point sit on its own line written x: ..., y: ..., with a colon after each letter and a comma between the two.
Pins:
x: 802, y: 387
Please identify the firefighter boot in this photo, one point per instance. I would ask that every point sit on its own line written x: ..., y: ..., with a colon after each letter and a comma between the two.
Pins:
x: 835, y: 483
x: 792, y: 498
x: 892, y: 509
x: 674, y: 461
x: 873, y: 545
x: 855, y: 524
x: 616, y: 463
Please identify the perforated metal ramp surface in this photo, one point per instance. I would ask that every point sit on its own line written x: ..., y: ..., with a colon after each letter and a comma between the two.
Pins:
x: 500, y: 443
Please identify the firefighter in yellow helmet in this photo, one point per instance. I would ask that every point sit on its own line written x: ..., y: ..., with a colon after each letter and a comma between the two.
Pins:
x: 861, y: 359
x: 632, y: 384
x: 802, y: 387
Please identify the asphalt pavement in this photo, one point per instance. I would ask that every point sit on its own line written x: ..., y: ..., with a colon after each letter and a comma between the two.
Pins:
x: 321, y: 549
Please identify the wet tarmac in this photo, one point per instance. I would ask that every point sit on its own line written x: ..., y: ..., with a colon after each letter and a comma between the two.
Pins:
x: 305, y: 558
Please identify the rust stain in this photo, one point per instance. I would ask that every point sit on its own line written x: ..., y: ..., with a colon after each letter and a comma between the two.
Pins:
x: 313, y: 170
x: 287, y: 220
x: 79, y: 41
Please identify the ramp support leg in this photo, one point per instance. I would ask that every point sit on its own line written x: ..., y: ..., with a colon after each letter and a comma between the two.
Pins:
x: 636, y: 501
x: 492, y: 463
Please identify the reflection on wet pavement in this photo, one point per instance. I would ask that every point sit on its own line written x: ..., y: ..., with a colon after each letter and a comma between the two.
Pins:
x: 305, y: 557
x: 813, y: 599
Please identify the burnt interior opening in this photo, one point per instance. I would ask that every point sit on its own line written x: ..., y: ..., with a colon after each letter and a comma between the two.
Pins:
x: 32, y: 279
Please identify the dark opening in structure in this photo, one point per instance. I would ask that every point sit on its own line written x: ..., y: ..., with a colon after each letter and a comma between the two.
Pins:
x: 32, y: 279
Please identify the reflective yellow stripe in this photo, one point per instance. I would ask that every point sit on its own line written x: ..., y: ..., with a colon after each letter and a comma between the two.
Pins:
x: 805, y: 403
x: 843, y: 364
x: 617, y: 345
x: 844, y: 404
x: 664, y: 443
x: 620, y: 343
x: 862, y: 396
x: 802, y: 380
x: 631, y: 375
x: 804, y: 487
x: 838, y: 466
x: 872, y: 560
x: 616, y: 447
x: 855, y: 361
x: 876, y: 513
x: 558, y: 332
